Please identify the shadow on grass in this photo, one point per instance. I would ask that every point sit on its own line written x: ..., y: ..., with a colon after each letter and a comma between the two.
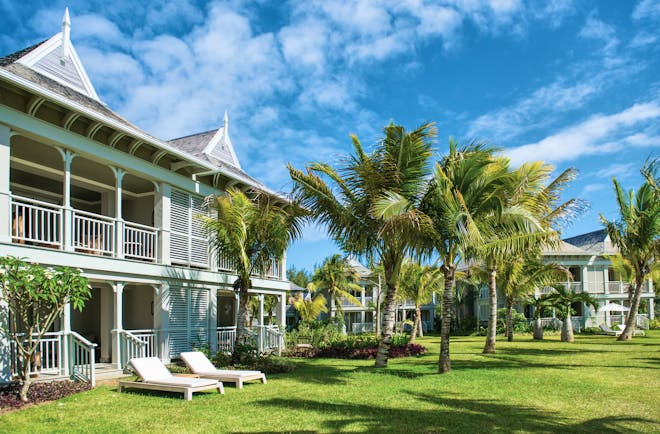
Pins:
x: 446, y: 414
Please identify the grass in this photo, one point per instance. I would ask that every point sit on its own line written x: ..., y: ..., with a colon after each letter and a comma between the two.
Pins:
x: 594, y: 385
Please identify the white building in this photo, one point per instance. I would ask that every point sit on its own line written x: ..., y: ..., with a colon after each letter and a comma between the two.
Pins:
x: 81, y: 186
x: 585, y: 256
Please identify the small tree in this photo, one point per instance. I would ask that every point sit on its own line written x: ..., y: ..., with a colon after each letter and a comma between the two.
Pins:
x: 418, y: 283
x: 337, y: 278
x: 35, y: 297
x: 636, y: 233
x: 562, y: 299
x: 540, y: 303
x: 309, y: 308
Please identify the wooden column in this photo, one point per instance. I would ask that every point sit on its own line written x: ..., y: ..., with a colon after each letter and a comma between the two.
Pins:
x: 5, y: 193
x: 119, y: 225
x: 117, y: 323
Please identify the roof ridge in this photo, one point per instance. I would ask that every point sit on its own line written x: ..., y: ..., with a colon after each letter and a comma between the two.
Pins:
x: 13, y: 57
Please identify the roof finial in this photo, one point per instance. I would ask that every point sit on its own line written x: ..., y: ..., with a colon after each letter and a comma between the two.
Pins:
x: 225, y: 129
x: 66, y: 34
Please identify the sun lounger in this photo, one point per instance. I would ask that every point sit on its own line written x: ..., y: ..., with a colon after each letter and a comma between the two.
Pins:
x: 155, y: 376
x: 608, y: 331
x: 200, y: 365
x: 636, y: 332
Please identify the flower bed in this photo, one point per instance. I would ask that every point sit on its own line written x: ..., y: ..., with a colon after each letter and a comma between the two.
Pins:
x: 38, y: 392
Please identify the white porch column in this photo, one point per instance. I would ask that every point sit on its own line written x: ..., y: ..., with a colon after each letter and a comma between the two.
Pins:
x: 651, y: 309
x: 117, y: 323
x: 5, y: 349
x: 162, y: 206
x: 66, y: 330
x: 213, y: 318
x: 606, y: 281
x: 119, y: 226
x: 283, y: 267
x: 162, y: 320
x: 238, y: 301
x: 5, y: 193
x: 67, y: 222
x: 584, y: 279
x: 281, y: 310
x: 261, y: 309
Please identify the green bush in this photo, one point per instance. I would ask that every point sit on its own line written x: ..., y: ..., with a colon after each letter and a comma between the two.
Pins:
x: 314, y: 334
x: 654, y: 324
x: 520, y: 323
x: 591, y: 331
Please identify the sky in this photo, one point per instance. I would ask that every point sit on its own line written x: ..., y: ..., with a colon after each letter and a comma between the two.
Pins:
x: 575, y: 84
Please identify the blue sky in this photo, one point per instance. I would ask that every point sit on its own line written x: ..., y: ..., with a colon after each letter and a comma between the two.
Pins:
x: 576, y: 84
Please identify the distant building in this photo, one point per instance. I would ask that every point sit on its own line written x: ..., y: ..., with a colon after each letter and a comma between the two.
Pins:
x: 585, y: 258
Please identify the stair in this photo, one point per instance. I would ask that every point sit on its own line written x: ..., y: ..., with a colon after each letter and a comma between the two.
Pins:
x: 107, y: 371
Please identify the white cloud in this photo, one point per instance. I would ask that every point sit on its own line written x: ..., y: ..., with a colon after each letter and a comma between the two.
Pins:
x: 600, y: 31
x: 593, y: 136
x: 647, y: 9
x: 617, y: 170
x: 532, y: 111
x: 590, y: 188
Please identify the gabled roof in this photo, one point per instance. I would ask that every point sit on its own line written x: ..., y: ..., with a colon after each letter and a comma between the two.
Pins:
x: 565, y: 248
x: 363, y: 271
x: 596, y: 242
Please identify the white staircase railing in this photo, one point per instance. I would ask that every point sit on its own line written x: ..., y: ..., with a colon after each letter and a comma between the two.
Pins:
x: 642, y: 321
x: 150, y: 339
x: 269, y: 339
x: 81, y: 359
x: 130, y: 346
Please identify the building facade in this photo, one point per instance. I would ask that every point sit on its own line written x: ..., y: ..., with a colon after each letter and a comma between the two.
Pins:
x: 586, y: 258
x: 80, y: 186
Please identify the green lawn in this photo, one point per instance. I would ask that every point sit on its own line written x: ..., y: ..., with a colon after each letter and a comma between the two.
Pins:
x: 594, y: 385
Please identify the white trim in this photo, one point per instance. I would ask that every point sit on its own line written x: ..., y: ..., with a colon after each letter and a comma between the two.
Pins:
x: 43, y: 50
x: 71, y: 105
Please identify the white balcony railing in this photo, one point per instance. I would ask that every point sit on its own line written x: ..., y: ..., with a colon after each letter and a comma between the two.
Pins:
x: 140, y: 241
x: 36, y: 222
x: 93, y: 233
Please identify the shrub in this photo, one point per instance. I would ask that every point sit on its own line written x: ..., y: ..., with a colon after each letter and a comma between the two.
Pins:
x: 39, y: 392
x: 591, y: 331
x: 520, y: 323
x: 339, y: 352
x: 654, y: 324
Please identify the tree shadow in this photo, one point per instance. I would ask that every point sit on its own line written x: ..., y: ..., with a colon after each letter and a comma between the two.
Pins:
x: 401, y: 373
x: 447, y: 414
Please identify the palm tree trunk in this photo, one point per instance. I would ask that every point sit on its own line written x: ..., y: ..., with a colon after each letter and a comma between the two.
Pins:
x: 491, y: 334
x: 567, y: 327
x: 378, y: 307
x: 509, y: 320
x: 420, y: 331
x: 388, y: 326
x: 332, y: 306
x: 538, y: 330
x: 417, y: 323
x: 242, y: 332
x: 444, y: 362
x: 632, y: 314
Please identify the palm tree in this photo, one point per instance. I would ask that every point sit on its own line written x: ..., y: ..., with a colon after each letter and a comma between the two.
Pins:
x: 309, y: 308
x: 270, y: 304
x: 464, y: 189
x: 636, y: 233
x: 418, y: 283
x: 528, y: 221
x: 337, y: 278
x: 540, y: 303
x: 518, y: 278
x: 562, y: 299
x: 252, y: 231
x: 357, y: 209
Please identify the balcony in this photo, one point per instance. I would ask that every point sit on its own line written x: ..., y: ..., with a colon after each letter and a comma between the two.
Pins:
x: 227, y: 264
x: 42, y: 224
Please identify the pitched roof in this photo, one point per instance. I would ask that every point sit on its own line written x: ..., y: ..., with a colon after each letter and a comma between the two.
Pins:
x: 13, y: 57
x: 565, y: 248
x: 596, y: 242
x: 361, y: 269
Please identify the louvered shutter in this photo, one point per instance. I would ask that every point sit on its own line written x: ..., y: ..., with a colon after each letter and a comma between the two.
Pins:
x: 189, y: 319
x: 199, y: 315
x: 180, y: 227
x: 199, y: 245
x: 178, y: 313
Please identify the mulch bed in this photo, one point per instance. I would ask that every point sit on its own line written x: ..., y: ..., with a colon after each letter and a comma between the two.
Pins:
x: 38, y: 392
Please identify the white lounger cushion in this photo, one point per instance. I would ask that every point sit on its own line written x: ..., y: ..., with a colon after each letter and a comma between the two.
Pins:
x: 200, y: 365
x: 150, y: 369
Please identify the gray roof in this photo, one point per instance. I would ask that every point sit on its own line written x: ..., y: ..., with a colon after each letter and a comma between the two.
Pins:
x: 596, y: 242
x: 363, y: 271
x: 193, y: 144
x: 9, y: 63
